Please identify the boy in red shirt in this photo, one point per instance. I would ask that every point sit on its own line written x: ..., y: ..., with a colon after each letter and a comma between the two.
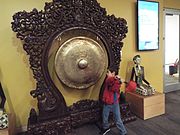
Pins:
x: 111, y: 102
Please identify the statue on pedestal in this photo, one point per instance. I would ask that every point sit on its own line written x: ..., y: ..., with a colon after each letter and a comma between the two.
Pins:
x: 138, y: 71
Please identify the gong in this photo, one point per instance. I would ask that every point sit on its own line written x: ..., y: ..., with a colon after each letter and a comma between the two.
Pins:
x: 80, y: 58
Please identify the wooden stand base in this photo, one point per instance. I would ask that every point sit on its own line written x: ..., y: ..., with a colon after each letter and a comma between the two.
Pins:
x: 146, y: 107
x: 11, y: 126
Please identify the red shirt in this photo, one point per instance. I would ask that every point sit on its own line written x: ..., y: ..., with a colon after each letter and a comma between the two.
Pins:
x: 112, y: 86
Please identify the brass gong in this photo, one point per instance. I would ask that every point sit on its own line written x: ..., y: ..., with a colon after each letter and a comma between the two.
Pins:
x: 80, y: 62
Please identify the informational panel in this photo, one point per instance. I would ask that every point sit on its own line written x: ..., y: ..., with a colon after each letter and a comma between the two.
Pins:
x: 148, y: 25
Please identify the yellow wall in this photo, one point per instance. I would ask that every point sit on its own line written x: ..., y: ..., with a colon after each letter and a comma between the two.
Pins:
x: 151, y: 60
x: 16, y: 76
x: 172, y: 4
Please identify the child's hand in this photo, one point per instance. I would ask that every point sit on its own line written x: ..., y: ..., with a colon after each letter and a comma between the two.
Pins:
x: 118, y: 78
x: 109, y: 74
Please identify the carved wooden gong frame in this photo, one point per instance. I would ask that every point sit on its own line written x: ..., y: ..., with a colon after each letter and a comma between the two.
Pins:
x: 37, y: 29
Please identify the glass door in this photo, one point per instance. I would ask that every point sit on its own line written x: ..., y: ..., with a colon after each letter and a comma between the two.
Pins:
x: 171, y: 52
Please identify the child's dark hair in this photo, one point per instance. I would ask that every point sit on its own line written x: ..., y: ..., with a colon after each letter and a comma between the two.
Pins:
x: 113, y: 69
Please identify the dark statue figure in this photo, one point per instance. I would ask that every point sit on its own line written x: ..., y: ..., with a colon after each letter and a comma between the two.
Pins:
x: 38, y: 29
x: 143, y: 86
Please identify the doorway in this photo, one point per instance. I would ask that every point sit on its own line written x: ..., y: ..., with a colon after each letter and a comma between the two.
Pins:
x: 171, y: 51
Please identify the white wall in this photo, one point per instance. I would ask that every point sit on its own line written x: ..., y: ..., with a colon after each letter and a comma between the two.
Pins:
x: 171, y: 40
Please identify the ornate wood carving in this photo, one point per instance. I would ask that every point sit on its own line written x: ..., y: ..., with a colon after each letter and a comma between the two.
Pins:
x: 3, y: 98
x: 84, y: 111
x: 37, y: 29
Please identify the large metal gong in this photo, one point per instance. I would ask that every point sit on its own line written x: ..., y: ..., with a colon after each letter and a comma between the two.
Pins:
x: 80, y: 62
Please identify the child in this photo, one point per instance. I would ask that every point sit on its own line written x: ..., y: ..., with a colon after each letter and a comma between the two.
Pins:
x: 111, y: 102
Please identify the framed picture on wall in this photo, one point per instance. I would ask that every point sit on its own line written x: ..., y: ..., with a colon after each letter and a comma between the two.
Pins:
x: 147, y: 25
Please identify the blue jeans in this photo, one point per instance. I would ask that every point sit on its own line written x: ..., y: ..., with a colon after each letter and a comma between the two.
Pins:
x: 117, y: 116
